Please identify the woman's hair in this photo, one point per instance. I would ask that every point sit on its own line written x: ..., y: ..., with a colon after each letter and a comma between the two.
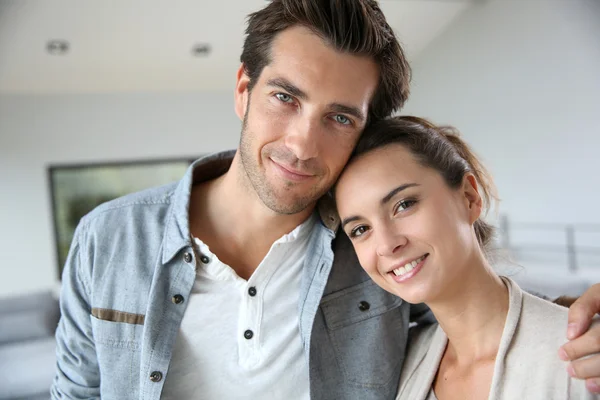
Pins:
x: 437, y: 147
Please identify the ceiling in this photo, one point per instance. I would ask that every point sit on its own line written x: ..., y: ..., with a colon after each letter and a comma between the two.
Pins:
x: 146, y: 45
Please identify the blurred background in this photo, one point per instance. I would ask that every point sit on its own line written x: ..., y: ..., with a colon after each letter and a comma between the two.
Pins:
x: 124, y: 81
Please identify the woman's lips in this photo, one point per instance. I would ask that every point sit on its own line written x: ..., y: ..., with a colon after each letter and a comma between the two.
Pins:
x: 403, y: 276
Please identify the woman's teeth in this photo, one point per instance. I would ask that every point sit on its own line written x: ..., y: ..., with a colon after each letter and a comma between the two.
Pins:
x: 409, y: 266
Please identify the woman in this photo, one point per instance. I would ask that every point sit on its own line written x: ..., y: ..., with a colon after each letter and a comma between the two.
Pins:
x: 410, y: 200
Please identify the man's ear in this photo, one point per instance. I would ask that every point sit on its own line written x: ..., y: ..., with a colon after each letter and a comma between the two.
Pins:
x: 472, y: 197
x: 241, y: 92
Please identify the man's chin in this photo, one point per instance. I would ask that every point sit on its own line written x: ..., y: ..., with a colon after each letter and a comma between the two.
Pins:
x: 288, y: 207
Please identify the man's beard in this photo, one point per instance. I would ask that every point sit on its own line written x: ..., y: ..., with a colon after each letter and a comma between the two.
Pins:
x: 262, y: 188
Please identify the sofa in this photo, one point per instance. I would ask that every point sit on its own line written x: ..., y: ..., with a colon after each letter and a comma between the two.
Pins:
x: 27, y: 345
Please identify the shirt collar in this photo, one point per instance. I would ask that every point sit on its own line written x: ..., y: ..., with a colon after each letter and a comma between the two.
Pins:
x: 177, y: 231
x: 328, y: 212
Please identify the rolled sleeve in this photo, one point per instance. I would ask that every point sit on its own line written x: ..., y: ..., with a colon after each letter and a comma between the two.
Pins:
x: 77, y: 372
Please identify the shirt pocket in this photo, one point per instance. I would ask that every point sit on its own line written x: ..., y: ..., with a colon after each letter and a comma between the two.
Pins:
x: 368, y: 331
x: 118, y: 348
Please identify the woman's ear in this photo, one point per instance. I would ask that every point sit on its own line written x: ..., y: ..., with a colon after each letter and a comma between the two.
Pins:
x: 472, y: 198
x: 241, y: 92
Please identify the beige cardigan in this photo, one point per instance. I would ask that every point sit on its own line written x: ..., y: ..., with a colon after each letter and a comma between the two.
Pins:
x: 527, y: 365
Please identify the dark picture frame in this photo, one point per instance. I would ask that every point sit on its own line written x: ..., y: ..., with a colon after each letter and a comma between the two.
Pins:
x: 76, y: 189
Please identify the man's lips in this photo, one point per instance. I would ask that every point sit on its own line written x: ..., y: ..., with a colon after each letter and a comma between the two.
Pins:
x: 291, y: 173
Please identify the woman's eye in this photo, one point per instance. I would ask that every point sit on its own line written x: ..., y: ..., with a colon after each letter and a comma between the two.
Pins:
x: 404, y: 205
x: 358, y: 231
x: 341, y: 119
x: 286, y: 98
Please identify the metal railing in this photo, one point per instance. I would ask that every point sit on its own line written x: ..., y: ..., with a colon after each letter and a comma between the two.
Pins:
x: 571, y: 245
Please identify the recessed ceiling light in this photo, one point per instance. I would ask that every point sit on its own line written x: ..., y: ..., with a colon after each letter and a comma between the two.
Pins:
x: 201, y: 49
x: 57, y: 47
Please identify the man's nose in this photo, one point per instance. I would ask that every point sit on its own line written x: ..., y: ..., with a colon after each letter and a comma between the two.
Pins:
x: 302, y: 138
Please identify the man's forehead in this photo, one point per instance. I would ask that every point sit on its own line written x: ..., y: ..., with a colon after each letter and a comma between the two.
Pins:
x: 319, y: 71
x: 297, y: 38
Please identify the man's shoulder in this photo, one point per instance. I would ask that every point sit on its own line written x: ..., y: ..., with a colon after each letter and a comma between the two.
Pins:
x: 132, y: 205
x: 124, y: 235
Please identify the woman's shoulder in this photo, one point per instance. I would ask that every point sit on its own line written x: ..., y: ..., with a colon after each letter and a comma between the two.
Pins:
x: 532, y: 357
x: 543, y: 323
x: 528, y: 315
x: 539, y: 328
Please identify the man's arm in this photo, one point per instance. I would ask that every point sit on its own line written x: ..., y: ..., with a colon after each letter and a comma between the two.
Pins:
x: 77, y: 372
x: 583, y: 332
x: 565, y: 301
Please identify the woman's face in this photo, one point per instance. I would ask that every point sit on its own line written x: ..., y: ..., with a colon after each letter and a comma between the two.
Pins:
x: 412, y: 233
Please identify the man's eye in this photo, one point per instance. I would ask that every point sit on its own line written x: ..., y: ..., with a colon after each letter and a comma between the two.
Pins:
x: 404, y: 205
x: 358, y: 231
x: 286, y: 98
x: 341, y: 119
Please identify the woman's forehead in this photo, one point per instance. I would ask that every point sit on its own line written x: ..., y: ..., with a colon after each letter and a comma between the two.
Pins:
x: 370, y: 176
x: 392, y: 159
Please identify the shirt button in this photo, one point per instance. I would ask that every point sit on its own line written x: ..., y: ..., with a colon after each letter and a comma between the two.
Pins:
x: 156, y: 376
x: 363, y: 306
x: 204, y: 259
x: 177, y: 299
x: 248, y: 334
x: 187, y: 257
x: 252, y: 291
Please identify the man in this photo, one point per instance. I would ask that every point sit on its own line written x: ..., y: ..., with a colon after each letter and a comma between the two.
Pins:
x: 225, y: 286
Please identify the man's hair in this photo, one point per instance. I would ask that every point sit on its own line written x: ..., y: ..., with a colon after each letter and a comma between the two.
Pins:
x: 351, y: 26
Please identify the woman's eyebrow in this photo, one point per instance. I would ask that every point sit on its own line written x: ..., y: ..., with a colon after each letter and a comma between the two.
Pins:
x: 397, y: 190
x: 349, y: 219
x: 385, y: 200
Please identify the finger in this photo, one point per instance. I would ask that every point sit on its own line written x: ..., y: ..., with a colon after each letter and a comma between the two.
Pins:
x: 593, y: 385
x: 582, y: 312
x: 585, y: 368
x: 585, y: 345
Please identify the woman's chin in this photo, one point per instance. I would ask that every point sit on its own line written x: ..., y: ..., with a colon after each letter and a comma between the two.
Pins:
x: 414, y: 295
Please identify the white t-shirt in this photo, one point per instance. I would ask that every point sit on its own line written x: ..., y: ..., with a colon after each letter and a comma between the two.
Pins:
x: 240, y: 339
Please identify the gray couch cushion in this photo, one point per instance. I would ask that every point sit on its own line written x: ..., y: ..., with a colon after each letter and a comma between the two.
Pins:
x: 41, y: 396
x: 27, y: 369
x: 28, y: 317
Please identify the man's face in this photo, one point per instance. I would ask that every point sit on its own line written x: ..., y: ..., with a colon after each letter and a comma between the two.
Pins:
x: 302, y: 119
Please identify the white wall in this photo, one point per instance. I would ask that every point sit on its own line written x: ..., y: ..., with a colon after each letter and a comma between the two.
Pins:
x: 38, y: 130
x: 521, y: 80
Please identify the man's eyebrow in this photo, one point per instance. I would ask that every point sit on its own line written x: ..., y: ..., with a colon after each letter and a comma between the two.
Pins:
x: 295, y: 91
x: 288, y: 86
x: 397, y: 190
x: 354, y: 111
